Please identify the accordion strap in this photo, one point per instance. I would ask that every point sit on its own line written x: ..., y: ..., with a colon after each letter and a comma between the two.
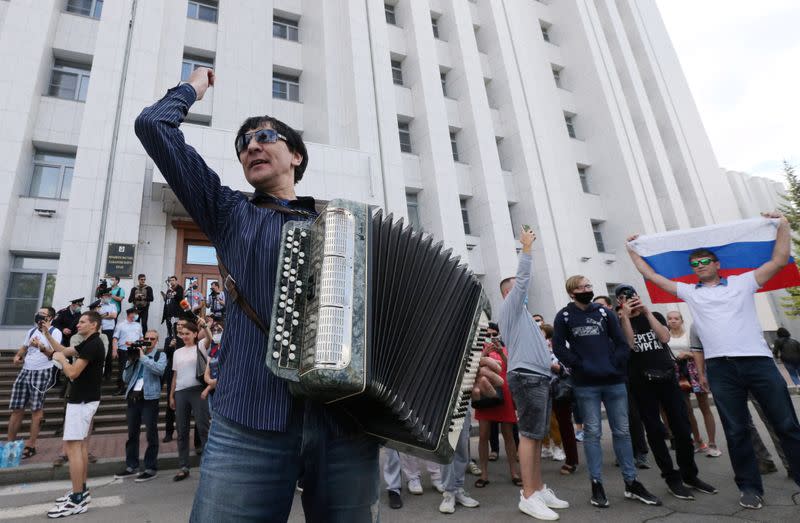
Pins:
x: 229, y: 282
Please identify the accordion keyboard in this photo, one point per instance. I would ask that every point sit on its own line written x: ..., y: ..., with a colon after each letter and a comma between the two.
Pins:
x: 291, y: 300
x: 465, y: 392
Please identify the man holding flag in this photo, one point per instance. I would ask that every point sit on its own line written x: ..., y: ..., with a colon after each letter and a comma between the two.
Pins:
x: 736, y: 356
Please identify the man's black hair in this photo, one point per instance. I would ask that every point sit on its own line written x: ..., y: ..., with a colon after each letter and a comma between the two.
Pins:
x: 702, y: 253
x: 141, y: 276
x: 293, y: 139
x: 50, y: 311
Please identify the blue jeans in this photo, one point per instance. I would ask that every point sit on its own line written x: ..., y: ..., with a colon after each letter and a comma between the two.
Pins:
x: 250, y: 475
x: 615, y: 399
x: 731, y: 379
x: 794, y: 372
x: 453, y: 473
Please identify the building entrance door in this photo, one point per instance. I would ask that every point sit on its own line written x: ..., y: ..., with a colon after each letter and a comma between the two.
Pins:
x: 195, y: 258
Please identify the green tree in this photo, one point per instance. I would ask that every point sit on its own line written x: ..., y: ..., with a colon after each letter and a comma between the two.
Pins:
x: 791, y: 209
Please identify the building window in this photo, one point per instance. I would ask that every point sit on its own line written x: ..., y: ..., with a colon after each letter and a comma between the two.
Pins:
x: 584, y: 177
x: 286, y: 29
x: 286, y: 87
x: 568, y: 119
x: 443, y: 78
x: 557, y: 75
x: 202, y: 10
x: 412, y: 206
x: 52, y: 175
x: 465, y: 216
x: 91, y: 8
x: 454, y: 145
x: 545, y: 30
x: 69, y: 80
x: 597, y: 230
x: 391, y: 17
x: 397, y: 72
x: 190, y: 63
x: 435, y: 26
x: 31, y: 284
x: 405, y: 137
x: 514, y: 231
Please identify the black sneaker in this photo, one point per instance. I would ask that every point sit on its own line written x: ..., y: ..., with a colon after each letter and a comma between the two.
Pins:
x: 599, y: 498
x: 126, y: 473
x: 679, y: 490
x: 167, y: 438
x: 146, y: 476
x: 635, y: 490
x: 395, y: 501
x: 751, y: 500
x: 701, y: 485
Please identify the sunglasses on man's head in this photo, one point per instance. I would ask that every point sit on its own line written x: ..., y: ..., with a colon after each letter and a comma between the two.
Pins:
x: 701, y: 261
x: 261, y: 136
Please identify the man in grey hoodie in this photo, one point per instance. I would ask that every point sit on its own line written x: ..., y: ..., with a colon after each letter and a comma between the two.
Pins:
x: 529, y: 380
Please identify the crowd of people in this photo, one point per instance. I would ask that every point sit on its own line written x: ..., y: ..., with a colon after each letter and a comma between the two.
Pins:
x: 542, y: 386
x: 82, y: 348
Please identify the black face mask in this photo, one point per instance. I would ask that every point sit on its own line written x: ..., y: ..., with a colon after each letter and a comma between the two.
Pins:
x: 584, y: 298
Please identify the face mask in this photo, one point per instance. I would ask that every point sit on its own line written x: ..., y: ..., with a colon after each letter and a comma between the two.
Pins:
x: 216, y: 337
x: 584, y: 297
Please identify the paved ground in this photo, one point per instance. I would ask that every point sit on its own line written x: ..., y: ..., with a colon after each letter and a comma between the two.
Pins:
x: 162, y: 500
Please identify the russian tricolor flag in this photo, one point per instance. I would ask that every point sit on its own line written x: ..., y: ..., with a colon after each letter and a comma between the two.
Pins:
x: 741, y: 246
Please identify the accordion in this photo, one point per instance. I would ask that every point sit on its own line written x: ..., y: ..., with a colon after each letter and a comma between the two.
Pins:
x: 378, y: 319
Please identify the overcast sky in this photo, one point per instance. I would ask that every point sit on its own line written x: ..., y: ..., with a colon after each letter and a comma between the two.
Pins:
x: 742, y: 61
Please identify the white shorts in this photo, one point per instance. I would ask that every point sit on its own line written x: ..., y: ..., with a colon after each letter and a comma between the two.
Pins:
x: 78, y: 419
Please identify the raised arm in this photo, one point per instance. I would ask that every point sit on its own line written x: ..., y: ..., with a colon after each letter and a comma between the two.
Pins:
x: 780, y: 253
x: 197, y: 187
x: 649, y: 274
x: 522, y: 280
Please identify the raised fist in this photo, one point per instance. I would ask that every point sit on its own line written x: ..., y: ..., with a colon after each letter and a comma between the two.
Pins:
x: 201, y: 79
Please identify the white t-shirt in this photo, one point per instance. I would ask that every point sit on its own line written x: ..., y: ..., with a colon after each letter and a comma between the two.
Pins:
x: 725, y: 317
x: 107, y: 324
x: 184, y: 364
x: 678, y: 344
x: 34, y: 358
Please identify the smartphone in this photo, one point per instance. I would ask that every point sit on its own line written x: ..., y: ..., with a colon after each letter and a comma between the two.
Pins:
x: 526, y: 228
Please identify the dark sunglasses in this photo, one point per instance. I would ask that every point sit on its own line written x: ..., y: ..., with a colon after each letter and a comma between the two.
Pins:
x: 261, y: 136
x: 151, y: 339
x: 703, y: 261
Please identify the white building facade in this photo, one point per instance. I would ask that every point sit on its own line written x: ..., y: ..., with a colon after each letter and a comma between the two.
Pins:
x: 469, y: 118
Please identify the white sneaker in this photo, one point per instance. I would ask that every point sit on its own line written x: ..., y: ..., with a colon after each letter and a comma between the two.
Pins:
x: 438, y: 485
x: 448, y: 505
x: 547, y: 452
x: 549, y: 498
x: 473, y: 468
x: 414, y: 486
x: 558, y: 454
x: 534, y: 506
x: 465, y: 500
x: 68, y: 508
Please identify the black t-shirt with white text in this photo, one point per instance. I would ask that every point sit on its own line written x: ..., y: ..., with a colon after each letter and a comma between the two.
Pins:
x: 648, y: 352
x: 86, y: 387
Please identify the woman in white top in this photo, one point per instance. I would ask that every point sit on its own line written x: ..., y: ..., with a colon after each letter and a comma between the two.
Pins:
x: 185, y: 397
x: 680, y: 346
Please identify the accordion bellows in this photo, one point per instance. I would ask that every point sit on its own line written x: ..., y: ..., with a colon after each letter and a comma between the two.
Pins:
x: 377, y: 318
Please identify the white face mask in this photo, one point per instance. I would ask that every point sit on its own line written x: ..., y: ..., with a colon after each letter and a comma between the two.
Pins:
x: 216, y: 337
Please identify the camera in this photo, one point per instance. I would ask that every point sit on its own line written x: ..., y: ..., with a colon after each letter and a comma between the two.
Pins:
x: 628, y: 293
x: 39, y: 318
x: 102, y: 288
x: 133, y: 349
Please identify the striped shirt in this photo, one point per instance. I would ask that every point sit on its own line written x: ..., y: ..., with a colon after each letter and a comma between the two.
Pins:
x: 247, y: 239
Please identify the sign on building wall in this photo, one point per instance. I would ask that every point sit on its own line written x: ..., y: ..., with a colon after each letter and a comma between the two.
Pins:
x: 119, y: 260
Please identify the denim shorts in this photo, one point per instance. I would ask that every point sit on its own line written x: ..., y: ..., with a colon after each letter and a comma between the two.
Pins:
x: 531, y: 393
